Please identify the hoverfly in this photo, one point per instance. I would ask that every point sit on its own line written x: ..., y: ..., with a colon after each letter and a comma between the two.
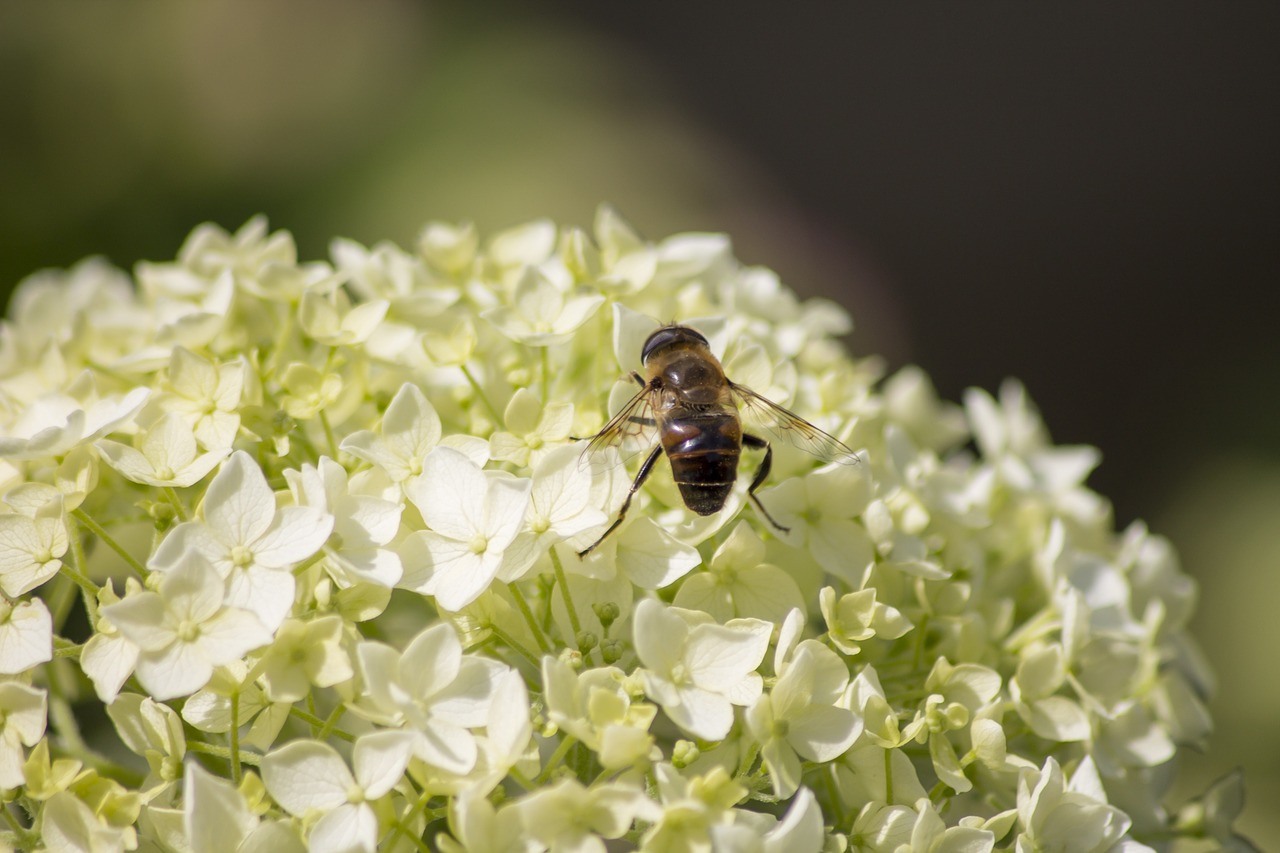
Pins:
x: 692, y: 408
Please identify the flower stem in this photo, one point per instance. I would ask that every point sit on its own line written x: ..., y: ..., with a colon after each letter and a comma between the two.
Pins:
x: 482, y: 397
x: 313, y: 720
x: 562, y: 581
x: 545, y: 361
x: 98, y: 530
x: 888, y: 776
x: 223, y: 753
x: 521, y: 602
x: 556, y: 759
x: 234, y: 737
x: 328, y: 435
x: 514, y: 644
x: 172, y: 496
x: 331, y: 721
x: 27, y: 839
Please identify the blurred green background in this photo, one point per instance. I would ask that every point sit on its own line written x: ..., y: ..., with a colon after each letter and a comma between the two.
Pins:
x: 1082, y: 197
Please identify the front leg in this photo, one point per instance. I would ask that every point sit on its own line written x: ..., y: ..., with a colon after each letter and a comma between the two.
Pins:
x: 755, y: 442
x: 645, y: 470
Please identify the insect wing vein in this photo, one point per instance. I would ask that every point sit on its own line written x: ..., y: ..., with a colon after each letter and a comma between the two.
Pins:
x: 632, y: 430
x: 791, y: 428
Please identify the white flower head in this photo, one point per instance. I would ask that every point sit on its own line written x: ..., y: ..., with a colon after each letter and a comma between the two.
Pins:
x: 32, y: 542
x: 698, y: 672
x: 184, y: 630
x: 166, y: 455
x: 472, y: 517
x: 309, y: 777
x: 250, y: 542
x: 542, y: 315
x: 26, y: 635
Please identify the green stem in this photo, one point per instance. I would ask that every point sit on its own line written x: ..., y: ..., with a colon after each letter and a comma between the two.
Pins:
x: 313, y: 720
x: 400, y: 828
x: 514, y: 645
x: 832, y: 784
x: 562, y: 581
x: 545, y: 360
x: 222, y: 752
x: 556, y: 759
x: 521, y: 780
x: 106, y: 538
x: 331, y: 721
x: 888, y: 776
x: 172, y: 496
x: 66, y: 649
x: 521, y: 602
x: 27, y: 839
x: 86, y: 585
x: 328, y: 435
x: 482, y: 397
x: 234, y: 738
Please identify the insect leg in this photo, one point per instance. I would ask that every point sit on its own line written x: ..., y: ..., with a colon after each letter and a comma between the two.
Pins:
x: 757, y: 443
x: 638, y: 378
x: 641, y: 476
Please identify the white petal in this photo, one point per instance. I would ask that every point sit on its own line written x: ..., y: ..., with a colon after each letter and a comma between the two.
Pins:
x: 659, y: 636
x: 451, y: 494
x: 346, y: 829
x: 296, y: 533
x: 131, y: 464
x: 702, y: 713
x: 266, y: 593
x: 179, y: 670
x: 108, y: 661
x: 306, y: 774
x: 379, y: 760
x: 719, y: 657
x: 823, y: 732
x: 447, y: 747
x: 26, y: 637
x: 239, y: 503
x: 231, y: 635
x: 431, y: 661
x: 216, y: 816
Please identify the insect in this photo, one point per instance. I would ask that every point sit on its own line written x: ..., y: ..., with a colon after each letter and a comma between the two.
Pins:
x: 692, y: 408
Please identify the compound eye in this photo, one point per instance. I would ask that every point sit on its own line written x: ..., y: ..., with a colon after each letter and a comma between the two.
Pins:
x: 667, y: 336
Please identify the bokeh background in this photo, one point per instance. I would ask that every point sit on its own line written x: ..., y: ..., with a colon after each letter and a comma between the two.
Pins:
x: 1086, y: 197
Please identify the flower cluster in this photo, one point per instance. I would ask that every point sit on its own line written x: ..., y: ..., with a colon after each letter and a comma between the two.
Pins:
x: 309, y: 534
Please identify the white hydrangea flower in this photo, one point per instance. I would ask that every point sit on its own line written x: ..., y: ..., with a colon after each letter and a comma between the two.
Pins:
x: 206, y: 394
x: 541, y: 315
x: 22, y: 723
x: 363, y: 525
x: 26, y: 635
x: 571, y: 816
x: 217, y: 819
x: 400, y: 502
x: 252, y: 544
x: 32, y: 542
x: 183, y: 629
x: 472, y: 517
x: 308, y: 777
x: 56, y: 423
x: 801, y: 716
x: 166, y: 455
x: 698, y: 670
x: 432, y: 689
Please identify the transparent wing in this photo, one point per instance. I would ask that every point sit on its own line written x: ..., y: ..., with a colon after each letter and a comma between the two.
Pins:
x: 631, y: 430
x: 791, y: 428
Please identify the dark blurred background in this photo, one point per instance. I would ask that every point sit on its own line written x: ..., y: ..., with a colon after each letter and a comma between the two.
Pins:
x: 1084, y: 197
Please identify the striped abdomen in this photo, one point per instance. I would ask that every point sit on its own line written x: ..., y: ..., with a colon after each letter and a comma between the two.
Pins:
x: 703, y: 448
